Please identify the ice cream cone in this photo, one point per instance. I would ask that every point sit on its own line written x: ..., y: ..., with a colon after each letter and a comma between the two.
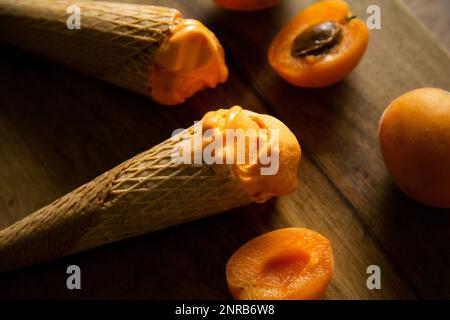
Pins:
x: 146, y: 193
x: 118, y: 43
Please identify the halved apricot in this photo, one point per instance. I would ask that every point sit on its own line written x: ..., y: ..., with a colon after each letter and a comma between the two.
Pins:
x: 290, y: 263
x: 415, y: 143
x: 246, y: 5
x: 320, y: 46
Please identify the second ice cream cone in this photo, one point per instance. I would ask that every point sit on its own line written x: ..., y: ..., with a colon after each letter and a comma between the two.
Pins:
x: 143, y: 48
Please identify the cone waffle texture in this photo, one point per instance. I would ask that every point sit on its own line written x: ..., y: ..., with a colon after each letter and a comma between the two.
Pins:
x: 117, y: 42
x: 159, y: 193
x: 146, y: 193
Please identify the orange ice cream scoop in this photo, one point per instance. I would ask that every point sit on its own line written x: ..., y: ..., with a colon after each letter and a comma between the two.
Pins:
x: 266, y: 161
x: 190, y: 60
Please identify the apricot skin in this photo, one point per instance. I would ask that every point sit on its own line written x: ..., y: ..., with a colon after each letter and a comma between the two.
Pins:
x: 414, y: 138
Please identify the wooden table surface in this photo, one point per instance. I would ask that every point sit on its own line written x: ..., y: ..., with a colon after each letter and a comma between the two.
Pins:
x: 59, y: 129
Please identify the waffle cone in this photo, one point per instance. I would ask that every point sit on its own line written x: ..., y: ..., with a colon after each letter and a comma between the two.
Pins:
x: 146, y: 193
x: 117, y: 42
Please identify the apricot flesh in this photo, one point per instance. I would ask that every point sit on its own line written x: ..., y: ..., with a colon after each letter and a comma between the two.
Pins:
x: 290, y: 263
x: 414, y: 138
x: 319, y: 70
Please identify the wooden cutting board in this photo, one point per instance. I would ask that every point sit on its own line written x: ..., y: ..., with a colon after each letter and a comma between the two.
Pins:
x: 60, y: 129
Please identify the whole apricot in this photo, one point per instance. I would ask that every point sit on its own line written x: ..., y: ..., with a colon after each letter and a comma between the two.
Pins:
x: 415, y: 143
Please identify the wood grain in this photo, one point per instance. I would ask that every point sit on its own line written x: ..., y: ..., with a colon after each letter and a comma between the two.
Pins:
x: 434, y: 14
x: 59, y: 129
